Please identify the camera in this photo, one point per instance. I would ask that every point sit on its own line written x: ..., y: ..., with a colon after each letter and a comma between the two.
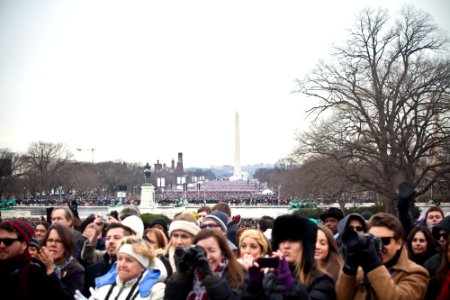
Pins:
x: 189, y: 254
x: 356, y: 242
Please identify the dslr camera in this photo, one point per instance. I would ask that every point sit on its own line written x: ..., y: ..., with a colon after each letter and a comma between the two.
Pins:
x: 356, y: 242
x: 189, y: 254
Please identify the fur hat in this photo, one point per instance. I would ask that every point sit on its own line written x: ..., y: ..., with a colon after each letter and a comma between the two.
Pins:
x: 332, y: 212
x: 220, y: 218
x: 189, y: 227
x: 297, y: 228
x: 22, y: 227
x: 136, y: 224
x: 159, y: 221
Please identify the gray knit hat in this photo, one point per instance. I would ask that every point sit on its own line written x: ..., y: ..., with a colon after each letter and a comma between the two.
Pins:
x: 219, y: 218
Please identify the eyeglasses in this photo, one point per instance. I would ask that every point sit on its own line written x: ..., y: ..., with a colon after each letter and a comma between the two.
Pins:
x: 356, y: 228
x: 444, y: 235
x: 386, y: 240
x: 210, y: 225
x: 51, y: 241
x: 8, y: 242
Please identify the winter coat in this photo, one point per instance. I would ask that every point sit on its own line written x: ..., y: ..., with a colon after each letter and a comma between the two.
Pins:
x: 22, y: 279
x: 404, y: 280
x: 232, y: 229
x: 72, y: 279
x: 179, y: 285
x: 148, y: 287
x: 320, y: 286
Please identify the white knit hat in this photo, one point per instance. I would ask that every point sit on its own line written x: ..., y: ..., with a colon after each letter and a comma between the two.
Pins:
x: 128, y: 249
x: 189, y: 227
x: 136, y: 224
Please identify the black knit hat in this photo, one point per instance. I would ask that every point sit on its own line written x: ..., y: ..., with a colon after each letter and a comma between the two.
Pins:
x: 332, y: 212
x: 90, y: 219
x: 296, y: 228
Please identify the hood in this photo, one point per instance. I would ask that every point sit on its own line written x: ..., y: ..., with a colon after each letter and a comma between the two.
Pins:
x: 343, y: 223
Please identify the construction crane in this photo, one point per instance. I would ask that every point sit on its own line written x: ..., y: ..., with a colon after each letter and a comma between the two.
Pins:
x: 88, y: 149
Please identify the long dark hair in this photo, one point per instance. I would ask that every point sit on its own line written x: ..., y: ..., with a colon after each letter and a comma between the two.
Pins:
x: 234, y: 273
x: 444, y: 267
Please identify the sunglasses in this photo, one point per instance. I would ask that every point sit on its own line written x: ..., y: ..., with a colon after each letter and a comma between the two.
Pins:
x: 356, y: 228
x: 386, y: 240
x: 7, y: 241
x: 210, y: 225
x: 444, y: 235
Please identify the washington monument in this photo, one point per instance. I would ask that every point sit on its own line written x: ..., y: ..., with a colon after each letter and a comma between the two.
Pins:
x: 237, y: 150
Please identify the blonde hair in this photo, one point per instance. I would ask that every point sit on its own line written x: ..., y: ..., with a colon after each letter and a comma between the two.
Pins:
x: 258, y: 236
x: 140, y: 246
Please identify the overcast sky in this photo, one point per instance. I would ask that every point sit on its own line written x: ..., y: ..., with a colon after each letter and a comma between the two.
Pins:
x: 143, y: 80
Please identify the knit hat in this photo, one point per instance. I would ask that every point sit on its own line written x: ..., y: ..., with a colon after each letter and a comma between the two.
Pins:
x: 128, y: 249
x: 136, y: 224
x: 332, y: 212
x: 220, y: 218
x: 189, y: 227
x: 22, y: 227
x: 86, y: 222
x: 296, y: 228
x: 34, y: 242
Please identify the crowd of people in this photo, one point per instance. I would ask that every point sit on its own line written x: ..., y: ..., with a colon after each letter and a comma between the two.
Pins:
x: 213, y: 255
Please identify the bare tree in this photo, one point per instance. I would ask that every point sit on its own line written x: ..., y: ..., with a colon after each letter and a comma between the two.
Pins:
x: 385, y: 103
x: 44, y: 164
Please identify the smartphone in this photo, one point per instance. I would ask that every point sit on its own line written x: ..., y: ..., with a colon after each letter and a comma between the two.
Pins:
x: 268, y: 262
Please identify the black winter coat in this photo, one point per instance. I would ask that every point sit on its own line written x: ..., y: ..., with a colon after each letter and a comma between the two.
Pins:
x: 320, y: 286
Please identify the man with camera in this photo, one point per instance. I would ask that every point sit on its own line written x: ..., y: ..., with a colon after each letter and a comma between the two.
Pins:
x: 377, y: 264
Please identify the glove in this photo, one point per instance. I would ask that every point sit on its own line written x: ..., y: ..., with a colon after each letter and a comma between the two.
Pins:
x: 79, y: 296
x: 255, y: 274
x: 371, y: 258
x: 181, y: 265
x: 351, y: 261
x: 405, y: 194
x: 201, y: 264
x: 285, y: 276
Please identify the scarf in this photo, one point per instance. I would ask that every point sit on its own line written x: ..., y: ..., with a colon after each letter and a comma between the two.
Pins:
x: 60, y: 268
x: 198, y: 290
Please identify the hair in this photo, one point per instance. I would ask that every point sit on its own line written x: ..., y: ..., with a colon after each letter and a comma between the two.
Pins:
x: 235, y: 272
x: 161, y: 238
x: 139, y: 245
x: 223, y: 207
x: 389, y: 221
x: 265, y: 222
x: 68, y: 214
x: 126, y: 230
x: 129, y: 210
x: 205, y: 208
x: 8, y: 227
x: 186, y: 217
x: 67, y: 239
x: 444, y: 267
x: 43, y: 223
x: 432, y: 209
x: 332, y: 264
x: 431, y: 242
x: 258, y: 236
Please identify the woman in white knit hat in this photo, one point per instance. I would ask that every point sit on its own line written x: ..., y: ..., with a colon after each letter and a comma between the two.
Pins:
x: 182, y: 231
x: 133, y: 278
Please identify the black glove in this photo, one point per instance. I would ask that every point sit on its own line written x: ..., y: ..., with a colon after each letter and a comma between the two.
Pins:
x: 201, y: 264
x: 181, y: 265
x: 370, y: 258
x: 351, y: 261
x: 405, y: 194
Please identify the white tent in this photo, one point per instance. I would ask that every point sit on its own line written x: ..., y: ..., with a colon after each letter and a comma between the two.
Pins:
x: 267, y: 192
